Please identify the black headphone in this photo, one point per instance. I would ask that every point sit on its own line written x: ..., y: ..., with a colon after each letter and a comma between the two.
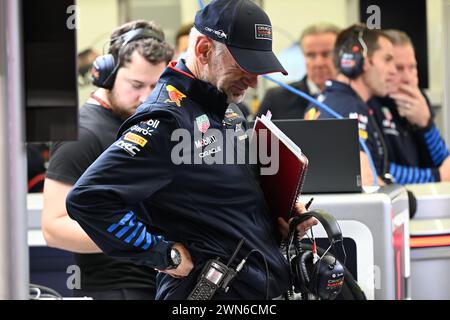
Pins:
x: 104, y: 69
x: 325, y: 278
x: 352, y: 55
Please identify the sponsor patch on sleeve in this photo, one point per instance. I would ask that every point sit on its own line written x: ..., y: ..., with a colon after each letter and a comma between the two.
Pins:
x: 132, y: 137
x: 137, y: 137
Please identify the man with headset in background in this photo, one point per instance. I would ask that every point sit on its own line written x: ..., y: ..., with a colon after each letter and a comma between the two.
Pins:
x: 317, y: 43
x: 125, y: 77
x: 365, y: 62
x: 415, y: 148
x: 137, y: 201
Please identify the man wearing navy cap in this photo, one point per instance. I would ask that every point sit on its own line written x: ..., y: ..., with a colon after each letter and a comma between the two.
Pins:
x: 139, y: 203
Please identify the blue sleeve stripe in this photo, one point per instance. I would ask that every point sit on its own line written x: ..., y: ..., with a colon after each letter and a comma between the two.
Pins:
x: 148, y: 241
x: 134, y: 233
x: 431, y: 135
x: 422, y: 176
x: 428, y: 179
x: 128, y: 222
x: 393, y: 171
x: 125, y: 229
x: 429, y: 132
x: 432, y: 139
x: 438, y: 153
x: 410, y: 175
x: 437, y: 148
x: 416, y: 175
x: 433, y: 145
x: 151, y: 240
x: 404, y: 175
x: 398, y: 174
x: 440, y: 157
x: 141, y: 237
x: 122, y: 222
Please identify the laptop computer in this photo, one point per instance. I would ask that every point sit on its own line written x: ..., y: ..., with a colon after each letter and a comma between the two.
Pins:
x: 332, y: 148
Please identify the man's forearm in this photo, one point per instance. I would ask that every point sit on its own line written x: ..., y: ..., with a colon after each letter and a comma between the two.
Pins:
x: 65, y: 233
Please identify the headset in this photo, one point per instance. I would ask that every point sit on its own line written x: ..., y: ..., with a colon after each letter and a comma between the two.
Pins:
x: 104, y: 69
x: 325, y: 277
x: 352, y: 55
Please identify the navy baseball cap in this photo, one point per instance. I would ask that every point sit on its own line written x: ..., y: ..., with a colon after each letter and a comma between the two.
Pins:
x: 246, y: 31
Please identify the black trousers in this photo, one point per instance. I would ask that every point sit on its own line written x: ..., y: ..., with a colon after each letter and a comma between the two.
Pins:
x: 118, y: 294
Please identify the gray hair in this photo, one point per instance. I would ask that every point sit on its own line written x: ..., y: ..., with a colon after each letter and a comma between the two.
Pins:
x: 193, y: 36
x: 397, y: 37
x: 319, y: 28
x: 218, y: 46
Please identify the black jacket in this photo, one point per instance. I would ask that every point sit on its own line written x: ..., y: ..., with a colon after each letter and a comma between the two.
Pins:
x: 345, y: 101
x: 414, y: 154
x: 284, y: 104
x: 137, y: 198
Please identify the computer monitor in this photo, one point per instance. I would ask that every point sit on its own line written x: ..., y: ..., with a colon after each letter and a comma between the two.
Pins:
x: 332, y: 148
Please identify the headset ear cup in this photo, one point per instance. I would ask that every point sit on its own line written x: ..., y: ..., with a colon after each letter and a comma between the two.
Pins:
x: 304, y: 265
x: 102, y: 71
x: 359, y: 65
x: 351, y: 64
x: 314, y: 280
x: 327, y: 278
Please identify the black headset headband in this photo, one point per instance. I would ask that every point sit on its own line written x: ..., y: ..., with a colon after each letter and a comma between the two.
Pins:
x: 140, y: 33
x: 328, y: 222
x: 132, y: 35
x: 360, y: 33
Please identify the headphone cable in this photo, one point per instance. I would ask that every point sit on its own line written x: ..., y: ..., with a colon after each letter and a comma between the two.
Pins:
x: 241, y: 265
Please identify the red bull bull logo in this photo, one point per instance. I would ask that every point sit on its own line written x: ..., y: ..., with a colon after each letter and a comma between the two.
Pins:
x: 312, y: 114
x: 175, y: 95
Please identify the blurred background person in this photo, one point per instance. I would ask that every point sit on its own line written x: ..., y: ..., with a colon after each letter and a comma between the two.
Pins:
x: 415, y: 149
x: 140, y: 54
x: 317, y: 42
x: 182, y: 39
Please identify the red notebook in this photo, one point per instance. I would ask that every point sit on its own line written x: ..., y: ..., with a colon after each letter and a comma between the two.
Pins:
x: 282, y: 188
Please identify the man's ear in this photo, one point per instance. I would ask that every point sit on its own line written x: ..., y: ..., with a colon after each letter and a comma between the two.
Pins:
x: 367, y: 63
x: 203, y: 48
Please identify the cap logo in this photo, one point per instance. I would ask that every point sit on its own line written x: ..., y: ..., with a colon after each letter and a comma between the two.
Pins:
x: 218, y: 33
x: 263, y: 32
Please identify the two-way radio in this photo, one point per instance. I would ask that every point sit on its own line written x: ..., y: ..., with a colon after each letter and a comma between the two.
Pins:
x: 215, y: 275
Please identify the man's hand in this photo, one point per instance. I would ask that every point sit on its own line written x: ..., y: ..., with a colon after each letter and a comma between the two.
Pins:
x: 444, y: 170
x: 302, y: 228
x: 185, y: 266
x: 411, y: 104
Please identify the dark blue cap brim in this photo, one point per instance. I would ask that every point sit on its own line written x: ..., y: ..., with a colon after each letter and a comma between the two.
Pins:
x: 256, y: 62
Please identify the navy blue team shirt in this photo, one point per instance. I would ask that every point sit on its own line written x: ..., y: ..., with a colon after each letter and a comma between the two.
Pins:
x: 134, y: 201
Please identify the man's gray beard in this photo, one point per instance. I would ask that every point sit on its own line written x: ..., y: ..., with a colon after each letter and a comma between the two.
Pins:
x: 204, y: 76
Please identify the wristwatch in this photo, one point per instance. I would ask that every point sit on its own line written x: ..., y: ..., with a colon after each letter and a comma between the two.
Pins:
x: 174, y: 259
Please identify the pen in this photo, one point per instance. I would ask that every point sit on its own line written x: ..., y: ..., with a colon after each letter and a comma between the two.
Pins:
x: 309, y: 203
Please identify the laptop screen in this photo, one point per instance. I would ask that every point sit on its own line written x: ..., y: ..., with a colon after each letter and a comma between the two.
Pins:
x: 332, y: 148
